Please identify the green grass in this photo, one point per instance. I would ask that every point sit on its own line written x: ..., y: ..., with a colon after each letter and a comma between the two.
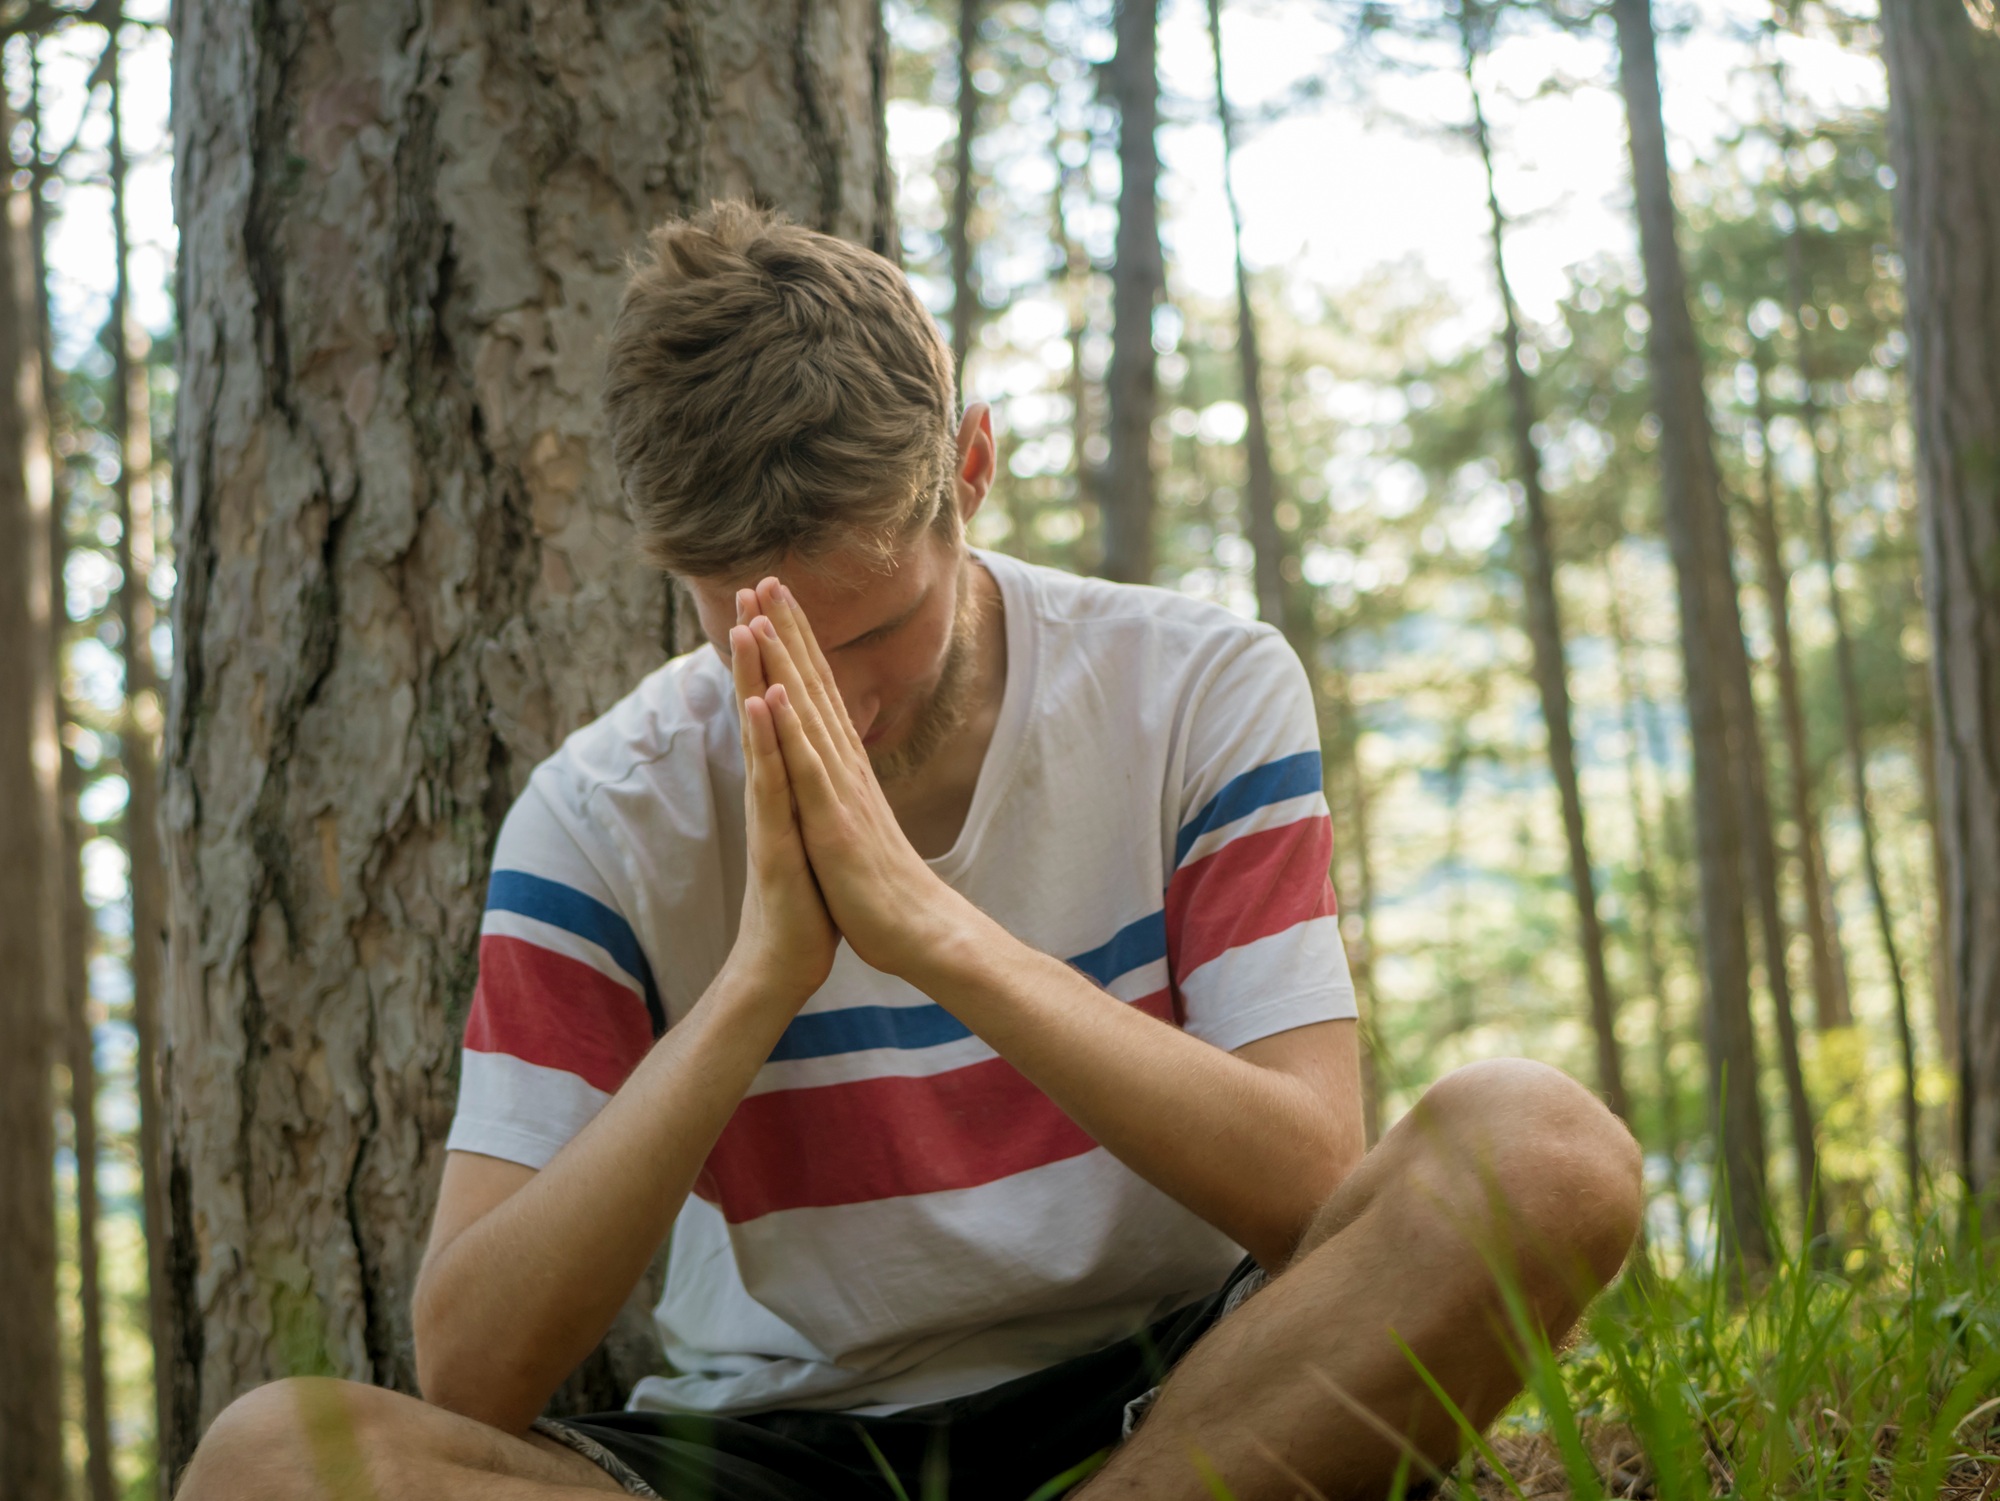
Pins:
x: 1800, y: 1382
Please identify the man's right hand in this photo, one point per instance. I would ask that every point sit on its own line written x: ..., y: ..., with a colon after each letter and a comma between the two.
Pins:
x: 786, y: 941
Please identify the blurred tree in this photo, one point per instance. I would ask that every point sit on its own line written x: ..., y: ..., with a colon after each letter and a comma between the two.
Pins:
x: 1943, y: 58
x: 1269, y: 556
x: 405, y: 575
x: 79, y: 1035
x: 1712, y: 649
x: 132, y: 430
x: 964, y: 287
x: 1538, y: 580
x: 31, y: 1462
x: 1138, y: 281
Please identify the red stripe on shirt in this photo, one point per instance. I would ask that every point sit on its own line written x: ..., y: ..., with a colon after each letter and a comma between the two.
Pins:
x: 884, y: 1138
x: 549, y: 1009
x: 1255, y: 885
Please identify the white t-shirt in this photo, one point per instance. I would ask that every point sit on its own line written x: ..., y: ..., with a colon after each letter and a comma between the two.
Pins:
x: 894, y: 1214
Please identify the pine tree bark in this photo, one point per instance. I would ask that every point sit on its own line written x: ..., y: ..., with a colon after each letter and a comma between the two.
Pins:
x: 1831, y: 1002
x: 31, y: 1462
x: 1944, y: 110
x: 1138, y: 281
x: 1711, y: 644
x: 964, y: 293
x: 1544, y: 612
x: 406, y: 572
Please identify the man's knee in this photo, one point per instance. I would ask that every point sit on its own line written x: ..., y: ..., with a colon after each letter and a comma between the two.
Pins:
x: 1562, y: 1170
x: 288, y: 1438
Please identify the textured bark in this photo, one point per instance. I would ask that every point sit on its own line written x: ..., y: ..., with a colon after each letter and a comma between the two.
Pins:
x: 1711, y: 644
x: 31, y: 1464
x: 1544, y: 611
x: 406, y: 572
x: 1267, y: 542
x: 964, y: 293
x: 1944, y: 103
x: 1831, y: 1003
x: 1138, y: 280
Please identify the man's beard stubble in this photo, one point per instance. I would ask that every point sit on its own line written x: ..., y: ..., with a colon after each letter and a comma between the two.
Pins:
x: 944, y: 713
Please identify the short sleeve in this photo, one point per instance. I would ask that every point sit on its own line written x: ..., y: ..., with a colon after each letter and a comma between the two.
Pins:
x: 1253, y: 936
x: 565, y: 1005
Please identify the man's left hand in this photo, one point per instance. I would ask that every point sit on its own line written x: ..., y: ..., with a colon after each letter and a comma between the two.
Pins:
x: 886, y: 902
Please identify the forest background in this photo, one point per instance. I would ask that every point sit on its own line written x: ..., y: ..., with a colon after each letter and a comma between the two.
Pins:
x: 1227, y: 275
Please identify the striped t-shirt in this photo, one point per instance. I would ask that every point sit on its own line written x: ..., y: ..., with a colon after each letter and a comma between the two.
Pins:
x: 894, y: 1214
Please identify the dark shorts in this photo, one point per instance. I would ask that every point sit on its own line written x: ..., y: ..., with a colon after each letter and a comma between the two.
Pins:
x: 1008, y: 1443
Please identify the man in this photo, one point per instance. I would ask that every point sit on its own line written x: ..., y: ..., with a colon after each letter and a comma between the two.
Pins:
x: 945, y: 960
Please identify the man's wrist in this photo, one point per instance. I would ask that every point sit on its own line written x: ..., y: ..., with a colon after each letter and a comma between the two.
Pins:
x: 944, y: 939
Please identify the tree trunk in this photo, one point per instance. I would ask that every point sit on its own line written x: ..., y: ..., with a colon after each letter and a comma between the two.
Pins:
x: 1360, y: 939
x: 1711, y: 644
x: 964, y: 294
x: 1076, y: 304
x: 1871, y: 865
x: 1632, y: 702
x: 1267, y: 542
x: 31, y: 1461
x: 1544, y: 611
x: 1138, y: 280
x: 132, y: 426
x: 74, y: 914
x: 406, y: 571
x: 1831, y: 1003
x: 1944, y: 109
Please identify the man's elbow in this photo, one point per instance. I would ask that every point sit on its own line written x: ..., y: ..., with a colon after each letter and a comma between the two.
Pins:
x: 457, y: 1374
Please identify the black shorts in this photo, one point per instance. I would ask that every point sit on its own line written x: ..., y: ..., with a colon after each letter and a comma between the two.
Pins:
x: 1007, y: 1443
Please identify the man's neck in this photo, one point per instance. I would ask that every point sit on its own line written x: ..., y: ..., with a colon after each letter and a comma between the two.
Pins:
x: 932, y: 802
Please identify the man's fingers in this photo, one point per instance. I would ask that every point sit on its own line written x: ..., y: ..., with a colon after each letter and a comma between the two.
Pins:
x: 782, y: 668
x: 796, y: 632
x: 805, y: 767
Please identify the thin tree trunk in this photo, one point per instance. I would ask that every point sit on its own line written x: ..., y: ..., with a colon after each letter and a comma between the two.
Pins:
x: 964, y: 295
x: 1871, y: 865
x: 31, y: 1461
x: 79, y: 1034
x: 1361, y: 950
x: 1075, y: 262
x: 1138, y: 280
x: 405, y: 574
x: 1267, y: 543
x: 1857, y: 762
x: 1544, y: 611
x: 1832, y: 1007
x: 1631, y: 701
x: 1711, y: 645
x: 1944, y: 113
x: 131, y: 422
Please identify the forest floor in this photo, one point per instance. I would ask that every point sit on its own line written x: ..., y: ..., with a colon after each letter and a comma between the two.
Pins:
x: 1879, y: 1379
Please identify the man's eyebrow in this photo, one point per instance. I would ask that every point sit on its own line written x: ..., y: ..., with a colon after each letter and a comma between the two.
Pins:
x: 886, y: 626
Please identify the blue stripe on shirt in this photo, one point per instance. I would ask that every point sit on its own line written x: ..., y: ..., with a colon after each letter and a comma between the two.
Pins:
x: 576, y: 912
x: 1273, y: 782
x: 855, y: 1029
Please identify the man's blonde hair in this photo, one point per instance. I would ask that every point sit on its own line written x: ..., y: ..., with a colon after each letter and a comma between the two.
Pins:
x: 771, y: 389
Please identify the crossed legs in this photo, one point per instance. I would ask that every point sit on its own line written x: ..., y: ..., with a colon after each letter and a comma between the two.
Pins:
x: 1501, y: 1164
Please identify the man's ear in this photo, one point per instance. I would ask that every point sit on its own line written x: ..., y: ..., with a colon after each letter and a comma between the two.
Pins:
x: 977, y: 460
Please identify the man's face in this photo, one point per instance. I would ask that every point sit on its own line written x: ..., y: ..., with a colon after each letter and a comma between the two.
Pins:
x: 892, y: 633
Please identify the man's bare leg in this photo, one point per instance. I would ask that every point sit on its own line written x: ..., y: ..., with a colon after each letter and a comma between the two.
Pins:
x: 1511, y: 1158
x: 309, y: 1439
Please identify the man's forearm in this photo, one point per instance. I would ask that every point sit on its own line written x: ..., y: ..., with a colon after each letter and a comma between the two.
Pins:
x: 508, y: 1308
x: 1252, y: 1150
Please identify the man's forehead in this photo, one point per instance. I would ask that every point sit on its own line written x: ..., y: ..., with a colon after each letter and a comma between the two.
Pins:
x: 845, y: 592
